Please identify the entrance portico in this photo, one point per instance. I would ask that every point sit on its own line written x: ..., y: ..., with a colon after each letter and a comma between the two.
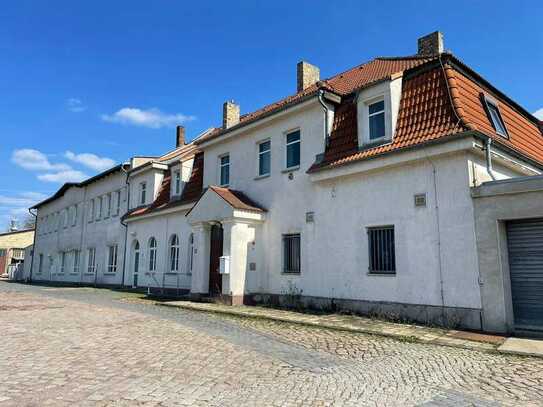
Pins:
x: 239, y: 219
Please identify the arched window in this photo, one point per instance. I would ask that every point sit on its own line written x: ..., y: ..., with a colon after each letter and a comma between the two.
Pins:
x: 152, y: 254
x: 174, y: 253
x: 190, y: 254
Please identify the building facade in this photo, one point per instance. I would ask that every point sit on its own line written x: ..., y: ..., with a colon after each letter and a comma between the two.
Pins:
x: 356, y: 192
x: 12, y: 248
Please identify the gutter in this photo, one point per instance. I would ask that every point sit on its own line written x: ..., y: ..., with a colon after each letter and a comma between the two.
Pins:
x: 325, y: 108
x: 33, y: 243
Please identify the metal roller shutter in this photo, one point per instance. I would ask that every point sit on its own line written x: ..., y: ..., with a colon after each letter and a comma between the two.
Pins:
x: 525, y: 244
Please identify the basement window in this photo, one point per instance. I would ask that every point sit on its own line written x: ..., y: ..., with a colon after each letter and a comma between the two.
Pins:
x: 291, y: 253
x: 381, y: 250
x: 495, y: 116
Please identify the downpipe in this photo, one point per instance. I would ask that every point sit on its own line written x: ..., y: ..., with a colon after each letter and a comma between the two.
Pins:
x: 323, y: 104
x: 488, y: 154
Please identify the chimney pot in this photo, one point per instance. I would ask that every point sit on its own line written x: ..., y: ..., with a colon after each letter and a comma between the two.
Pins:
x: 307, y: 75
x: 230, y: 114
x: 431, y: 44
x: 180, y: 137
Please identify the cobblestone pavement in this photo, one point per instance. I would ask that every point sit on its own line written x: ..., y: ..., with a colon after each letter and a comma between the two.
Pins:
x: 77, y: 346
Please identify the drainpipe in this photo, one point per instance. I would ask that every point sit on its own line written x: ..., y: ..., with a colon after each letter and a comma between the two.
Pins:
x: 124, y: 224
x: 323, y: 104
x: 33, y: 243
x: 489, y: 158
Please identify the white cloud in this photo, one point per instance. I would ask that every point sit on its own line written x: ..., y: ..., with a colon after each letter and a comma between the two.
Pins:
x: 35, y: 160
x: 539, y: 114
x: 90, y: 160
x: 75, y: 105
x: 63, y: 176
x: 152, y: 118
x: 22, y: 200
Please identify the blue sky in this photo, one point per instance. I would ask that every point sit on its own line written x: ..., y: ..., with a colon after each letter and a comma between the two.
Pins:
x: 88, y: 84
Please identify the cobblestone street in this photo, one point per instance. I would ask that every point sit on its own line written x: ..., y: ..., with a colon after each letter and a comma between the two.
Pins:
x: 83, y: 346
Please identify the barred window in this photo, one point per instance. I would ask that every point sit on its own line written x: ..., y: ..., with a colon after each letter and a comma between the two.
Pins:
x: 291, y: 253
x: 382, y: 253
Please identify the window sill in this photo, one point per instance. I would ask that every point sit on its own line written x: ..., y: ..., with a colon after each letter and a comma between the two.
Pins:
x: 262, y: 176
x: 291, y: 169
x: 110, y: 274
x: 74, y: 274
x: 291, y: 273
x: 88, y: 274
x: 378, y: 274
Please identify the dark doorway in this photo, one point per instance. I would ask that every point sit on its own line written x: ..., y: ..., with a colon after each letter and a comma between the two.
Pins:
x: 215, y: 279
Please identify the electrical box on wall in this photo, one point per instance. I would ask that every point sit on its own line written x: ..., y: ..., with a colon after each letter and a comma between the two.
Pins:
x: 224, y: 265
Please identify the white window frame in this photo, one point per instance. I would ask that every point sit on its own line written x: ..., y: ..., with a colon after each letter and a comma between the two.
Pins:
x: 107, y: 199
x: 177, y: 182
x: 491, y: 102
x: 76, y: 262
x: 221, y: 166
x: 142, y: 197
x: 152, y: 254
x: 91, y: 210
x: 380, y: 112
x: 174, y: 254
x: 100, y: 208
x: 74, y: 219
x: 117, y: 202
x: 259, y: 157
x: 91, y: 260
x: 287, y: 144
x: 112, y: 258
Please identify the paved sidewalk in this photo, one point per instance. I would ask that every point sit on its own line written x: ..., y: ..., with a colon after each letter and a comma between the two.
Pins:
x: 522, y: 346
x: 407, y: 332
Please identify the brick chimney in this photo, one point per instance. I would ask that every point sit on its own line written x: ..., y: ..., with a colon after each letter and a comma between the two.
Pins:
x: 307, y: 75
x: 180, y: 137
x: 230, y: 114
x: 431, y: 44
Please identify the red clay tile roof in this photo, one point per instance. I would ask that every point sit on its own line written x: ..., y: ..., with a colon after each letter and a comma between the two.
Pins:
x: 342, y: 84
x: 191, y: 191
x: 427, y: 113
x: 237, y: 199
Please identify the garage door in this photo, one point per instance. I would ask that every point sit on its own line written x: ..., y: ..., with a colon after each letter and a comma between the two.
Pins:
x: 525, y: 242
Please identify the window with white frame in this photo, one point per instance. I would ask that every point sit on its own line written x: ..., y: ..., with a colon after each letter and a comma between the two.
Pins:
x: 381, y: 250
x: 91, y: 260
x: 62, y: 262
x: 108, y: 205
x: 190, y: 254
x: 77, y: 255
x: 264, y: 158
x: 112, y: 258
x: 65, y: 217
x: 224, y: 170
x: 291, y: 253
x: 174, y: 253
x: 176, y: 182
x: 99, y: 208
x: 74, y: 215
x: 91, y: 210
x: 143, y: 193
x: 293, y: 149
x: 117, y: 202
x: 152, y: 254
x: 376, y: 117
x: 495, y: 116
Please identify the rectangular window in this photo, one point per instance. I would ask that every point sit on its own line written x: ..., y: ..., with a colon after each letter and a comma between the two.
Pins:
x: 65, y: 218
x: 495, y: 117
x: 62, y: 262
x: 76, y: 261
x: 264, y: 158
x: 117, y: 202
x: 143, y: 192
x: 293, y: 149
x: 112, y: 259
x: 225, y: 170
x: 99, y: 208
x: 376, y: 115
x: 91, y: 210
x: 74, y: 218
x: 381, y: 250
x: 40, y: 263
x: 291, y: 253
x: 91, y: 260
x: 108, y: 205
x: 177, y: 182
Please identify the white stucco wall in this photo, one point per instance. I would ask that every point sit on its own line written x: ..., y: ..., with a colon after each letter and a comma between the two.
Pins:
x: 98, y: 233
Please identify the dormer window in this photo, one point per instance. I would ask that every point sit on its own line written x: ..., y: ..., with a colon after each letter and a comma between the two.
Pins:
x: 177, y: 182
x: 376, y: 117
x: 143, y: 192
x: 495, y: 116
x: 224, y: 170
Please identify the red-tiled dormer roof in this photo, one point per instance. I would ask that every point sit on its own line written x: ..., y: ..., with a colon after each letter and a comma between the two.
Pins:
x: 191, y: 191
x: 237, y: 199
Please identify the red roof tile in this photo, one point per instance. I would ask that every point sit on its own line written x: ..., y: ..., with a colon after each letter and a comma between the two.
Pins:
x: 237, y: 199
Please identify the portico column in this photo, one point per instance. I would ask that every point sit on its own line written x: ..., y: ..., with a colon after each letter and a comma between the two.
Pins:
x: 200, y: 270
x: 237, y: 237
